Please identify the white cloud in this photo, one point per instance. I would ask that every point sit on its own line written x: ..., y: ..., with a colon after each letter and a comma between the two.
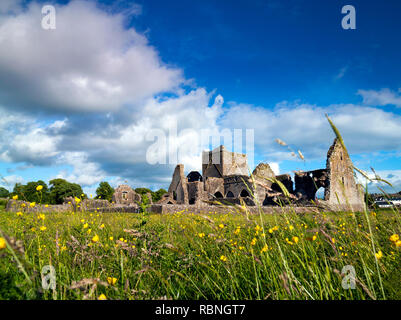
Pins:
x: 89, y: 63
x: 10, y: 6
x: 381, y: 97
x: 391, y: 176
x: 275, y: 167
x: 341, y: 73
x: 84, y: 172
x: 305, y: 127
x: 9, y: 182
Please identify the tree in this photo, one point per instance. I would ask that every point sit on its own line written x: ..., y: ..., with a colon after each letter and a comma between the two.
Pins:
x: 31, y: 193
x: 104, y: 191
x: 143, y: 191
x: 60, y: 189
x: 4, y: 192
x: 156, y: 196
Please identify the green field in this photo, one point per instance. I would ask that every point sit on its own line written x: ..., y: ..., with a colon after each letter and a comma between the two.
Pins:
x: 187, y: 256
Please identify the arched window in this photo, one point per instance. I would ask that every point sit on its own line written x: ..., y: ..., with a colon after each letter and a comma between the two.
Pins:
x: 218, y: 195
x: 230, y: 194
x: 244, y: 193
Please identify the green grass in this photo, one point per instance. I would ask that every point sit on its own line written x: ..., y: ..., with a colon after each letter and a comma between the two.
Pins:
x: 187, y: 256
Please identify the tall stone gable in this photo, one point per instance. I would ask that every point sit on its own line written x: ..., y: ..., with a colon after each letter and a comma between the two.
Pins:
x: 342, y: 189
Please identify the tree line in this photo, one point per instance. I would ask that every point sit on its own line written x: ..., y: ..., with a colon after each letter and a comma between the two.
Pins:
x: 59, y: 189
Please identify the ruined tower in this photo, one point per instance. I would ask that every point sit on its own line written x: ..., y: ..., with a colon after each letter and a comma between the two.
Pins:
x: 342, y: 192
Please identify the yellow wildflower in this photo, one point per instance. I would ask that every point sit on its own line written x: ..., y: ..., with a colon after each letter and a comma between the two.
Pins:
x: 223, y: 258
x: 15, y: 197
x: 221, y: 226
x: 379, y: 254
x: 95, y: 238
x: 111, y: 280
x: 42, y: 228
x: 398, y: 244
x: 394, y: 238
x: 111, y: 238
x: 314, y: 238
x: 101, y: 226
x: 39, y: 187
x: 19, y: 213
x: 253, y: 242
x: 102, y: 297
x: 201, y: 235
x: 2, y: 243
x: 264, y: 249
x: 32, y: 204
x: 295, y: 239
x: 85, y: 225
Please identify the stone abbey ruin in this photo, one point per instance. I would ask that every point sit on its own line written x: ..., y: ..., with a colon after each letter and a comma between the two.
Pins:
x: 225, y: 180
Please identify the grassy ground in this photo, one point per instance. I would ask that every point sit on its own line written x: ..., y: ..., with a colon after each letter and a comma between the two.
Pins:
x: 187, y: 256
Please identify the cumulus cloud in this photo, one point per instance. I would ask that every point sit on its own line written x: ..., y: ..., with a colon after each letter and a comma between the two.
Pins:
x: 10, y: 6
x: 381, y: 97
x: 89, y: 63
x: 305, y: 127
x: 9, y: 182
x: 84, y: 172
x: 391, y: 176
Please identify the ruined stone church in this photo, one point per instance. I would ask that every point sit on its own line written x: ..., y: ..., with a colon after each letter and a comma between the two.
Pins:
x: 225, y: 179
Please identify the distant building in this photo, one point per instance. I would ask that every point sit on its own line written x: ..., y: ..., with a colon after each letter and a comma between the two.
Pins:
x: 125, y: 195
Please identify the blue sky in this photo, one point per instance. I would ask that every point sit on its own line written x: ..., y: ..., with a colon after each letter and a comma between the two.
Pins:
x: 278, y: 65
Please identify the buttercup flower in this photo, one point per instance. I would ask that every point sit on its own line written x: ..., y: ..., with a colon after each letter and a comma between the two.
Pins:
x: 2, y: 243
x: 223, y: 258
x: 95, y: 238
x: 39, y: 187
x: 111, y: 280
x: 102, y: 297
x: 394, y: 238
x: 15, y: 197
x: 379, y: 254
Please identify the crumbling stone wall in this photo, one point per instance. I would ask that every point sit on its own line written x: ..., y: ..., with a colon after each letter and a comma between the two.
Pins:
x: 220, y: 162
x: 308, y: 183
x: 342, y: 190
x: 125, y: 195
x: 178, y: 190
x: 239, y: 185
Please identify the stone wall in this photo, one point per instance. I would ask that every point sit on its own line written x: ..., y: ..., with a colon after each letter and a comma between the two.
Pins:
x: 173, y: 208
x: 342, y: 189
x: 125, y: 195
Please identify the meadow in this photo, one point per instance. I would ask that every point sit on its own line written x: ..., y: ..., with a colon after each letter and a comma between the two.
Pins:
x: 212, y: 256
